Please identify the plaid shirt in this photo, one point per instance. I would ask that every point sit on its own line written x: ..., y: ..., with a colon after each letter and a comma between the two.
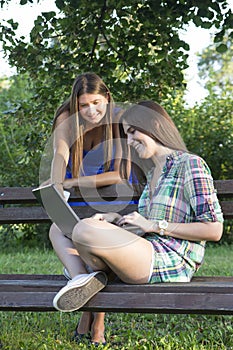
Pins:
x: 184, y: 193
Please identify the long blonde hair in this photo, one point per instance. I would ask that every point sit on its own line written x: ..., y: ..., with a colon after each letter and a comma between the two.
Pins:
x: 89, y: 83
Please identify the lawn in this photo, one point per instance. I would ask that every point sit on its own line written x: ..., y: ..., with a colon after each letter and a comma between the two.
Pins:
x: 53, y: 330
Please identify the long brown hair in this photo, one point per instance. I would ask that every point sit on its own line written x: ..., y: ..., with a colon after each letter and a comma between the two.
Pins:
x: 151, y: 119
x: 89, y: 83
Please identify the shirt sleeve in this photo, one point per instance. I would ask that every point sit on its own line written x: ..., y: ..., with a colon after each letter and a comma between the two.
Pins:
x: 199, y: 190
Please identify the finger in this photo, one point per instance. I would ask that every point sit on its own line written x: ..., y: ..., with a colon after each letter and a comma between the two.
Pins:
x: 121, y: 221
x: 96, y: 216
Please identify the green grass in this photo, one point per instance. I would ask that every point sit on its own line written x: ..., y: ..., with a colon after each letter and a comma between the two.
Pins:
x: 53, y: 330
x: 218, y: 261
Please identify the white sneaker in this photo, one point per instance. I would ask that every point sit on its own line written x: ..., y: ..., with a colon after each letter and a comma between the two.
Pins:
x: 67, y: 275
x: 79, y: 290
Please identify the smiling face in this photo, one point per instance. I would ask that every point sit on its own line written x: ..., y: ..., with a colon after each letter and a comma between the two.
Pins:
x: 145, y: 146
x: 92, y: 107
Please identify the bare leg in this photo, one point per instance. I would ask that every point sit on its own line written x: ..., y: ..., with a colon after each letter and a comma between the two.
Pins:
x: 68, y: 255
x: 102, y: 246
x: 93, y: 323
x: 85, y: 322
x: 97, y: 328
x: 66, y: 252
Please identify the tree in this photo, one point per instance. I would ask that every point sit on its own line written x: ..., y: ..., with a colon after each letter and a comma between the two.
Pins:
x: 208, y: 127
x: 207, y: 131
x: 134, y: 46
x: 215, y: 113
x: 216, y: 67
x: 23, y: 135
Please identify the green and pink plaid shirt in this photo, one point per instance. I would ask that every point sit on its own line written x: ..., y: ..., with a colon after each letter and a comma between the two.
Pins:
x: 184, y: 193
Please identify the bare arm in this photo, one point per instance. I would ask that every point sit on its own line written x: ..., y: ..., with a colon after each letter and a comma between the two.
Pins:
x: 61, y: 149
x: 104, y: 179
x: 193, y: 231
x: 196, y: 231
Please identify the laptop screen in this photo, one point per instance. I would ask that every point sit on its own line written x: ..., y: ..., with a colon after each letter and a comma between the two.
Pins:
x: 58, y: 210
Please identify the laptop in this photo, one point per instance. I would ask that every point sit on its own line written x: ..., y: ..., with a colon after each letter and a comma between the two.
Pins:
x: 61, y: 213
x: 58, y: 210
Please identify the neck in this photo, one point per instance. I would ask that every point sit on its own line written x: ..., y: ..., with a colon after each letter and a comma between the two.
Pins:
x: 160, y: 157
x: 88, y: 127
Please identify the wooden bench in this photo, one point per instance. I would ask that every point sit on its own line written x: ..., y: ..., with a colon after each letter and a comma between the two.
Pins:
x: 24, y: 292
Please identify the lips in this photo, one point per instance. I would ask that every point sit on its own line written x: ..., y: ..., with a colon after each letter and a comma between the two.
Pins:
x: 94, y: 117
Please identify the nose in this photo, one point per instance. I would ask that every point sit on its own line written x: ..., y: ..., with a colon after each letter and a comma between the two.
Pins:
x: 91, y: 109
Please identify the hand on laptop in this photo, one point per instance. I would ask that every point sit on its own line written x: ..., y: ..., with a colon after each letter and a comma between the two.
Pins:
x: 136, y: 219
x: 109, y: 217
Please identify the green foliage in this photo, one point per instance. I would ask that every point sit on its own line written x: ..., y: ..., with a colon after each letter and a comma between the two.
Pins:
x: 207, y: 131
x: 216, y: 67
x: 26, y: 235
x: 23, y: 132
x: 134, y: 46
x: 209, y: 125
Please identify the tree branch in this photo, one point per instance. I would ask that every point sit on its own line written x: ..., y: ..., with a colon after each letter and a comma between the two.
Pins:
x: 100, y: 21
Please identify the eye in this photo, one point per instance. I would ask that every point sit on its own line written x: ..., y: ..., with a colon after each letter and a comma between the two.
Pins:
x: 131, y: 130
x: 83, y: 105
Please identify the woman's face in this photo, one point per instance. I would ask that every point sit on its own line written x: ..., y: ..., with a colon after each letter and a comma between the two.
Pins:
x: 142, y: 143
x: 92, y: 107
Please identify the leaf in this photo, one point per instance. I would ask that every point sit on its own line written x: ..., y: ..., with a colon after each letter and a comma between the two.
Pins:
x: 49, y: 15
x: 206, y: 25
x: 219, y: 36
x: 205, y: 13
x: 197, y: 21
x: 60, y: 4
x: 221, y: 48
x: 13, y: 24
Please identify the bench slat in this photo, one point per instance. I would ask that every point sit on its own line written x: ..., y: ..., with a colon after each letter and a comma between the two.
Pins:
x: 206, y: 295
x: 54, y: 285
x: 25, y: 195
x: 210, y: 303
x: 36, y: 214
x: 17, y: 215
x: 162, y: 303
x: 224, y: 188
x: 227, y: 209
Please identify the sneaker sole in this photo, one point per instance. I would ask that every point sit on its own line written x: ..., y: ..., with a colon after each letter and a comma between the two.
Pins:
x: 77, y: 296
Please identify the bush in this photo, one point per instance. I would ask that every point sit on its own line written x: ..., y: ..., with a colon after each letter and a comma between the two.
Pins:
x: 32, y: 236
